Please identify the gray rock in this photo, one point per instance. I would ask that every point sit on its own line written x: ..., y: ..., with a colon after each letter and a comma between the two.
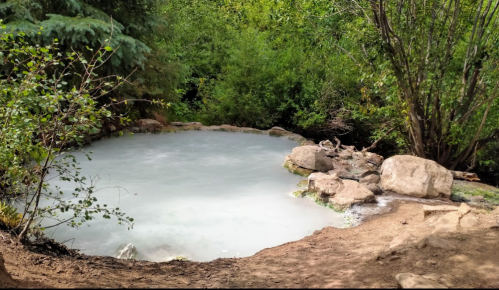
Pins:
x: 307, y: 142
x: 297, y: 138
x: 436, y: 242
x: 448, y: 222
x: 413, y: 281
x: 278, y: 132
x: 288, y: 163
x: 148, y: 125
x: 230, y: 128
x: 349, y: 194
x: 135, y: 129
x: 345, y: 154
x: 469, y: 221
x: 311, y: 157
x: 341, y: 194
x: 324, y: 184
x: 373, y: 158
x: 415, y: 176
x: 402, y: 239
x: 374, y: 188
x: 371, y: 178
x: 127, y: 251
x: 431, y: 209
x: 464, y: 208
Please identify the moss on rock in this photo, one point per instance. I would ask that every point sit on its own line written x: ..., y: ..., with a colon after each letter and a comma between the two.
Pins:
x: 300, y: 193
x: 475, y: 193
x: 303, y: 183
x: 295, y: 168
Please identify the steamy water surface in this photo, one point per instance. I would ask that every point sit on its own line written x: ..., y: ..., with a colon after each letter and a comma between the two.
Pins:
x: 202, y: 195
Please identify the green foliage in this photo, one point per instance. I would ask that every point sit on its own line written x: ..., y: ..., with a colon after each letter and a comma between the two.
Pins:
x: 81, y: 23
x: 313, y: 196
x: 133, y: 29
x: 41, y: 118
x: 431, y: 73
x: 178, y: 258
x: 259, y: 63
x: 9, y: 217
x: 466, y: 192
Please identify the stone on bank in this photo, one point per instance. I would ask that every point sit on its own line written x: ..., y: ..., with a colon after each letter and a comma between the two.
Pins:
x: 415, y: 176
x: 340, y: 194
x: 311, y: 157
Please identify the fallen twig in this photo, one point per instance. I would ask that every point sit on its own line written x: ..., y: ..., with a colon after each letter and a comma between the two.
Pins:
x: 377, y: 141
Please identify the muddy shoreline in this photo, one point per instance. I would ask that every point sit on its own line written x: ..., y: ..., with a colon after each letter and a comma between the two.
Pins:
x: 354, y: 257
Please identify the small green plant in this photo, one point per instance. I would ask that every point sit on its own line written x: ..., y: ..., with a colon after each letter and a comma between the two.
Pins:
x: 348, y: 223
x: 177, y: 258
x: 303, y: 183
x: 463, y: 193
x: 299, y: 193
x: 9, y: 216
x: 316, y: 199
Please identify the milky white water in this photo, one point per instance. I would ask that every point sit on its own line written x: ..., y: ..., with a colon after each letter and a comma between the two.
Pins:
x: 202, y: 195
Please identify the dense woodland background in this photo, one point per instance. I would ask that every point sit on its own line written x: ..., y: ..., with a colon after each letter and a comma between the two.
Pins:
x: 421, y: 75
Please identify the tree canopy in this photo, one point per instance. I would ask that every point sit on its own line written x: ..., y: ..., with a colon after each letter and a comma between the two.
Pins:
x: 420, y: 75
x: 81, y: 23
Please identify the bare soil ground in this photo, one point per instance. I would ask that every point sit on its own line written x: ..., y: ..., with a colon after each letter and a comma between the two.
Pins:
x: 357, y: 257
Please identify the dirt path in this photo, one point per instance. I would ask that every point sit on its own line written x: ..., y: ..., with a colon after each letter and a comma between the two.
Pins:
x: 355, y: 257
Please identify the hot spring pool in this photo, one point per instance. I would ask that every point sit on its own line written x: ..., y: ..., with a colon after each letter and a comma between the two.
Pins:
x: 201, y: 195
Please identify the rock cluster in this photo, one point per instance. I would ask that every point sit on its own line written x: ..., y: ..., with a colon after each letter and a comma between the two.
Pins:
x: 311, y: 157
x: 153, y: 126
x: 337, y: 175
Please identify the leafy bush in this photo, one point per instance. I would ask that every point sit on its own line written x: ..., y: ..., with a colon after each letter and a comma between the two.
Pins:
x: 42, y: 118
x: 9, y: 217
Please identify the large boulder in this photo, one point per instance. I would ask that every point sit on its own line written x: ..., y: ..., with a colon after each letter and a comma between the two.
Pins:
x: 146, y: 125
x: 288, y: 163
x: 351, y: 193
x: 415, y: 176
x: 341, y: 194
x: 127, y: 252
x: 324, y: 184
x: 311, y: 157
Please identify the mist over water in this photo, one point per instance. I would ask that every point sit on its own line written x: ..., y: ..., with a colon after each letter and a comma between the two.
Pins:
x: 202, y: 195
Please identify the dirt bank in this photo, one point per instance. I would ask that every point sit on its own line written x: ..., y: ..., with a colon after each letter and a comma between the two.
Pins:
x: 354, y: 257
